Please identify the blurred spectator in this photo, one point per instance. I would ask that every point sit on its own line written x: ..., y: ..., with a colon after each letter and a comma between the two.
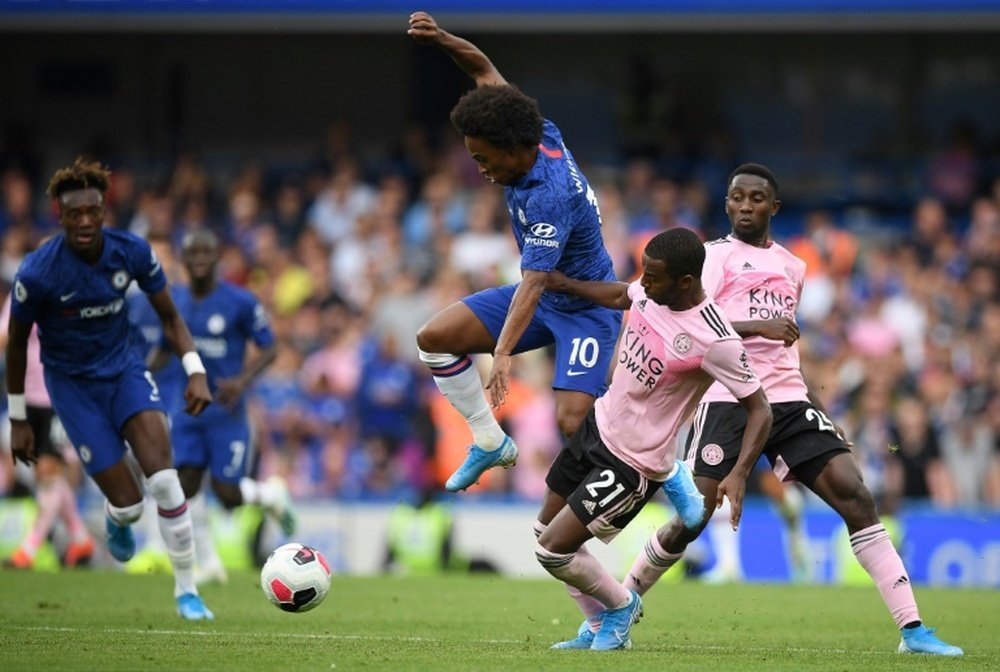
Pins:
x: 917, y: 471
x: 485, y: 251
x: 289, y: 214
x: 440, y: 209
x: 18, y: 211
x: 337, y: 208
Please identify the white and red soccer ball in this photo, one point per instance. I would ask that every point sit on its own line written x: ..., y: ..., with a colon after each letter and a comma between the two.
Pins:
x: 295, y: 577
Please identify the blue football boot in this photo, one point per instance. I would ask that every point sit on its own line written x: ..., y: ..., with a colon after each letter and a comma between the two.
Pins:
x: 478, y: 461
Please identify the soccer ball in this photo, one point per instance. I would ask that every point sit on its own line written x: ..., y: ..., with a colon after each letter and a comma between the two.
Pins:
x: 295, y: 577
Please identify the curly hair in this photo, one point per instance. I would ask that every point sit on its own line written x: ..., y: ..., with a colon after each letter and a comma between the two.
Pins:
x: 501, y: 115
x: 758, y: 170
x: 81, y: 175
x: 680, y: 249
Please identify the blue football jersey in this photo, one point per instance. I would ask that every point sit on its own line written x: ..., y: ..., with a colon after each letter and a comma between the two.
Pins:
x: 221, y: 324
x: 80, y: 310
x: 556, y: 220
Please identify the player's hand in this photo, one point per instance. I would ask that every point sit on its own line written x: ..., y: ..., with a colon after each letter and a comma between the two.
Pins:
x: 733, y: 487
x: 228, y: 391
x: 196, y: 394
x: 781, y: 329
x: 22, y: 442
x: 423, y: 28
x: 498, y: 383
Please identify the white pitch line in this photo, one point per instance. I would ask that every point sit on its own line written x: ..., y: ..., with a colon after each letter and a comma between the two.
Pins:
x: 389, y: 638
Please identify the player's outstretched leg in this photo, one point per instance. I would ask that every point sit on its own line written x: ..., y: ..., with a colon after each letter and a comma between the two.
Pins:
x: 790, y: 507
x: 118, y: 530
x: 191, y: 608
x: 616, y: 624
x: 684, y: 495
x: 458, y: 380
x: 922, y: 639
x: 272, y: 495
x: 478, y: 461
x: 48, y: 497
x: 208, y: 567
x: 178, y: 536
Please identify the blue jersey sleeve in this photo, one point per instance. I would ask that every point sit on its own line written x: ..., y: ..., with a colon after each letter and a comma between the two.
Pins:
x: 148, y: 272
x: 26, y: 296
x: 549, y: 225
x: 256, y: 323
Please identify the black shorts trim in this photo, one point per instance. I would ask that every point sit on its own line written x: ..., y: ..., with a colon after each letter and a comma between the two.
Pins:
x: 603, y: 491
x: 800, y: 435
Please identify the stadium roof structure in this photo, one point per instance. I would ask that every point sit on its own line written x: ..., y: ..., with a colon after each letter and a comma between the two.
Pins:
x: 500, y: 15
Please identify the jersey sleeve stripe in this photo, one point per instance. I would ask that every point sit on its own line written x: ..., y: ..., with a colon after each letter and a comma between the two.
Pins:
x: 717, y: 324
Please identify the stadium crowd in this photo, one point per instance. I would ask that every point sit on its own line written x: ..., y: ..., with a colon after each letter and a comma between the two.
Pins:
x: 352, y: 253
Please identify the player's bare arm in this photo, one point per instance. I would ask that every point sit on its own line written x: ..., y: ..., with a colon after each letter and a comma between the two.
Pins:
x: 424, y: 30
x: 755, y: 434
x: 230, y: 390
x: 522, y: 309
x: 607, y: 294
x: 777, y: 329
x: 196, y: 393
x: 22, y: 437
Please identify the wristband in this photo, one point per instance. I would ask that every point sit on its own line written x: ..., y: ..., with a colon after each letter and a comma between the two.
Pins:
x: 192, y: 363
x: 17, y: 409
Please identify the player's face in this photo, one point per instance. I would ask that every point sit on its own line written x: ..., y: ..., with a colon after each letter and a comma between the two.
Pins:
x: 660, y: 288
x: 750, y: 204
x: 200, y: 257
x: 497, y: 165
x: 81, y: 215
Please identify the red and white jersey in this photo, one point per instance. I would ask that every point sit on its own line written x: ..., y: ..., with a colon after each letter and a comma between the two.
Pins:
x: 758, y: 283
x: 666, y: 361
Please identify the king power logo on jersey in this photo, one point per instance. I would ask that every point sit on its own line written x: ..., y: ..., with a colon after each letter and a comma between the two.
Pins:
x: 636, y: 358
x: 766, y: 304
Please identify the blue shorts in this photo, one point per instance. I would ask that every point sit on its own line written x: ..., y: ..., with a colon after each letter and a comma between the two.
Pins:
x: 585, y: 339
x: 219, y: 443
x: 93, y: 411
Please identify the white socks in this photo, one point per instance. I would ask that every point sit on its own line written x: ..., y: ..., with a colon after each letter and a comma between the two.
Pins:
x: 175, y: 527
x: 459, y: 381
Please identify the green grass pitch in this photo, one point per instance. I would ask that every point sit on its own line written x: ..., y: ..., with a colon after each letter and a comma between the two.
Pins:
x: 82, y: 620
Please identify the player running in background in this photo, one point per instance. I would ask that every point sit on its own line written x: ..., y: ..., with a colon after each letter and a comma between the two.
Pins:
x: 53, y: 492
x: 757, y: 282
x: 557, y: 225
x: 222, y: 318
x: 73, y: 287
x: 676, y: 343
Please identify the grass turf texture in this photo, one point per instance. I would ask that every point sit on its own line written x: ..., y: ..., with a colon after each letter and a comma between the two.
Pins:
x: 80, y: 620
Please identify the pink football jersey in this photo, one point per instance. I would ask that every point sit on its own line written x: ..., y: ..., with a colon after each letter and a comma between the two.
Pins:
x: 758, y: 283
x: 666, y: 361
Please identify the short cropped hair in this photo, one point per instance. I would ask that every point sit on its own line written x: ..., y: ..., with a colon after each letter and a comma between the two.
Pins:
x: 680, y: 249
x: 200, y: 235
x: 81, y: 175
x: 501, y: 115
x: 758, y: 170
